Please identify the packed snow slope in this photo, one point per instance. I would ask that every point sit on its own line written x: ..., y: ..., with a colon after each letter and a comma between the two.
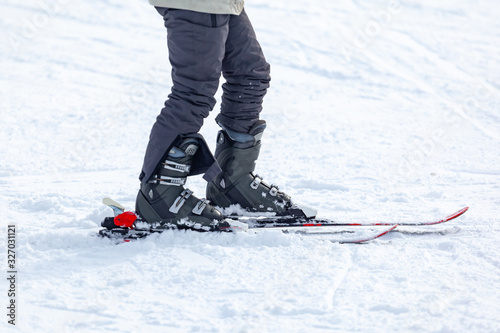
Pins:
x: 380, y: 110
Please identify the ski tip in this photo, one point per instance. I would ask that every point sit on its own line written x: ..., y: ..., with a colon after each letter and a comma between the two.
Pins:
x: 387, y: 231
x: 456, y: 214
x: 390, y: 229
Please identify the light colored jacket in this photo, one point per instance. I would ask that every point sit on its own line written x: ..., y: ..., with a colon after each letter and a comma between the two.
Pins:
x: 205, y: 6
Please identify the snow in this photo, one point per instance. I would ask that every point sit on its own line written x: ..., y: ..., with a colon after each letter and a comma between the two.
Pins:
x: 378, y: 110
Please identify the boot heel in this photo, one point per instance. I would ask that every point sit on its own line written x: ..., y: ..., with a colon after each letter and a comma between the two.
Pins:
x: 144, y: 209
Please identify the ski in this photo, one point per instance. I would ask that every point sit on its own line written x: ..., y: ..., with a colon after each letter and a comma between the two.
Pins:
x: 127, y: 225
x: 291, y: 221
x: 128, y: 234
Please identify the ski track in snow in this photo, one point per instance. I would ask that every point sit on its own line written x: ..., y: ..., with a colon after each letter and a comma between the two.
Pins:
x: 378, y: 110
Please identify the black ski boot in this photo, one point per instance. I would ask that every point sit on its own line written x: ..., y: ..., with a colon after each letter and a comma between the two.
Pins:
x: 164, y: 202
x: 236, y: 154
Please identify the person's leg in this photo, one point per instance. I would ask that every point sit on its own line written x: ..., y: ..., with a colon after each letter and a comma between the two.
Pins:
x: 238, y: 143
x: 196, y: 44
x: 247, y: 76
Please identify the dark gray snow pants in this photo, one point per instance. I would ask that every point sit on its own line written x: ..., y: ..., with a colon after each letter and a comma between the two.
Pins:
x: 202, y: 46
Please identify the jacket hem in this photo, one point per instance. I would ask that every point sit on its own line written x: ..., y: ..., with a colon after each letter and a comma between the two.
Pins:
x: 211, y: 7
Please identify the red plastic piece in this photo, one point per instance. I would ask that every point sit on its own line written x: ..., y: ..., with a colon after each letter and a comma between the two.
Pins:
x: 125, y: 219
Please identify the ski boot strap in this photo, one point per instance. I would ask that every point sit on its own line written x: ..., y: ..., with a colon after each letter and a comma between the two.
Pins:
x: 176, y: 167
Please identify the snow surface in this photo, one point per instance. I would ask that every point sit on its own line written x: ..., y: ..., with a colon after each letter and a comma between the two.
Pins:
x: 379, y: 110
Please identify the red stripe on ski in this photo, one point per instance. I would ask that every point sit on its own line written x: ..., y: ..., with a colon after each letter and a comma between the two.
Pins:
x: 457, y: 214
